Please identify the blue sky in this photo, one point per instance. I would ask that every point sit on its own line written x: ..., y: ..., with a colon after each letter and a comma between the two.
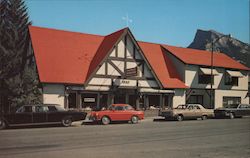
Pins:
x: 172, y: 22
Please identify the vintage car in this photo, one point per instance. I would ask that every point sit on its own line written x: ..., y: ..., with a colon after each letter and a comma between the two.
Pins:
x: 117, y: 112
x: 40, y: 114
x: 232, y: 111
x: 188, y: 111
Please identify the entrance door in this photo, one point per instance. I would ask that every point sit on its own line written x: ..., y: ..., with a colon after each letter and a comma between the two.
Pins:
x: 154, y: 100
x: 120, y: 99
x: 132, y: 100
x: 72, y: 100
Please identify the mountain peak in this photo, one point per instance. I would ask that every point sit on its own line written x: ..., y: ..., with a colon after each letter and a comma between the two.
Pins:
x: 232, y: 47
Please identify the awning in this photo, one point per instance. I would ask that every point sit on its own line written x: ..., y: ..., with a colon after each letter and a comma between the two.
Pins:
x: 235, y: 73
x: 207, y: 71
x: 155, y: 90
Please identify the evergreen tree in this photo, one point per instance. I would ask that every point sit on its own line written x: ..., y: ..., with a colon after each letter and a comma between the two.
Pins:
x: 18, y: 76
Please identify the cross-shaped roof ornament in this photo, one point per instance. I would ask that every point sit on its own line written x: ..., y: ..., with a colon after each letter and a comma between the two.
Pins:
x: 127, y: 20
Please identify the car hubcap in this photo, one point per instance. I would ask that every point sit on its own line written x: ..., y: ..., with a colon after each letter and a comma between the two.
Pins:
x: 134, y: 119
x: 231, y: 115
x: 179, y: 118
x: 105, y: 120
x: 67, y: 122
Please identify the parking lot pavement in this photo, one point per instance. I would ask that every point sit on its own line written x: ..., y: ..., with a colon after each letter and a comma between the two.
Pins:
x: 222, y: 138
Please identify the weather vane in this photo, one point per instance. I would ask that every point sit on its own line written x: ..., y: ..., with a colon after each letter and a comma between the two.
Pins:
x: 127, y: 20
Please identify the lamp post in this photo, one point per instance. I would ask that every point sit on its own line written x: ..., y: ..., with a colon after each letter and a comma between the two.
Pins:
x: 212, y: 67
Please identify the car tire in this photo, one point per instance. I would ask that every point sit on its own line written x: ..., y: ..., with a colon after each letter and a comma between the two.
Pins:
x: 134, y: 119
x: 180, y: 118
x: 231, y: 115
x: 66, y: 122
x: 2, y: 124
x: 204, y: 117
x: 105, y: 120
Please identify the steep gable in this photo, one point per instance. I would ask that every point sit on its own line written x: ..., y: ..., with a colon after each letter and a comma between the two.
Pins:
x: 126, y: 65
x: 162, y: 65
x: 106, y: 45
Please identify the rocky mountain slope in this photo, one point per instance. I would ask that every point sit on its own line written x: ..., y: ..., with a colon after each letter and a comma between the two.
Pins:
x: 234, y: 48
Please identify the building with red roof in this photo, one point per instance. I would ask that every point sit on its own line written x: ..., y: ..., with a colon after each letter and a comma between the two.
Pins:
x: 79, y: 70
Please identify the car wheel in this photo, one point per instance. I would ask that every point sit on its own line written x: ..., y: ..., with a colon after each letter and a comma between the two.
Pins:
x: 231, y: 115
x: 105, y: 120
x: 180, y: 118
x: 134, y: 119
x: 2, y: 124
x: 66, y: 122
x: 203, y: 117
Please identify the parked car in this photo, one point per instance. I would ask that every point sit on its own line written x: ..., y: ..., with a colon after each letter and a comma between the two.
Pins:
x: 117, y: 112
x: 188, y: 111
x: 232, y: 111
x: 40, y: 114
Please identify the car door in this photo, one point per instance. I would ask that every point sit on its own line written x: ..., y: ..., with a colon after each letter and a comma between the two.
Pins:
x: 54, y: 115
x: 197, y: 111
x: 189, y: 112
x: 118, y: 114
x: 23, y: 115
x: 40, y: 114
x: 243, y: 110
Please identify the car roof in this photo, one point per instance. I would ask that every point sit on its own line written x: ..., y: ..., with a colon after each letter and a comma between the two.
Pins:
x: 120, y: 104
x: 43, y: 105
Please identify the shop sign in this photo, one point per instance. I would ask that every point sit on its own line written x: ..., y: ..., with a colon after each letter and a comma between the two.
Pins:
x: 75, y: 88
x: 89, y: 100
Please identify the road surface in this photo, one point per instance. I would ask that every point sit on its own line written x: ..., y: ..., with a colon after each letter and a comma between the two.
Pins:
x: 220, y: 138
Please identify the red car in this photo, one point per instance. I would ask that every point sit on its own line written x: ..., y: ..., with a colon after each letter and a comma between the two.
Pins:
x: 117, y: 112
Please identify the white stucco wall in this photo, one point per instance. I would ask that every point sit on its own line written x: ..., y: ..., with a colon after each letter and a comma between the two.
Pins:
x: 53, y: 94
x: 219, y: 94
x: 179, y: 97
x: 121, y: 48
x: 191, y: 79
x: 243, y: 81
x: 130, y: 47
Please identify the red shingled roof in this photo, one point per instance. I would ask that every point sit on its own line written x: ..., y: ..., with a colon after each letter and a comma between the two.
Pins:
x: 202, y: 57
x: 70, y: 57
x: 162, y: 65
x: 62, y: 56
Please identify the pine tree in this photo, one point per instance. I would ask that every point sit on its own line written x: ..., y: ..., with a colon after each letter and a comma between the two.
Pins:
x: 18, y: 76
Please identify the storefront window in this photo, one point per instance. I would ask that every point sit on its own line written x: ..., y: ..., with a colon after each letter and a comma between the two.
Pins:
x: 89, y: 100
x: 231, y: 100
x: 195, y: 99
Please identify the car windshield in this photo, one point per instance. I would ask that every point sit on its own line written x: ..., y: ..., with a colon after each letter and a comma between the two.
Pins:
x: 129, y: 107
x: 232, y: 106
x: 111, y: 107
x: 59, y: 108
x: 181, y: 107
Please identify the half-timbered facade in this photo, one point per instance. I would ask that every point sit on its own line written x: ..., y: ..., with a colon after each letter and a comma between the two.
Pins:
x: 80, y: 70
x: 88, y: 71
x: 122, y: 76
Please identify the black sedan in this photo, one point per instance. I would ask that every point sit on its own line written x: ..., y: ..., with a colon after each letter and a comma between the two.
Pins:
x: 232, y: 111
x: 41, y: 114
